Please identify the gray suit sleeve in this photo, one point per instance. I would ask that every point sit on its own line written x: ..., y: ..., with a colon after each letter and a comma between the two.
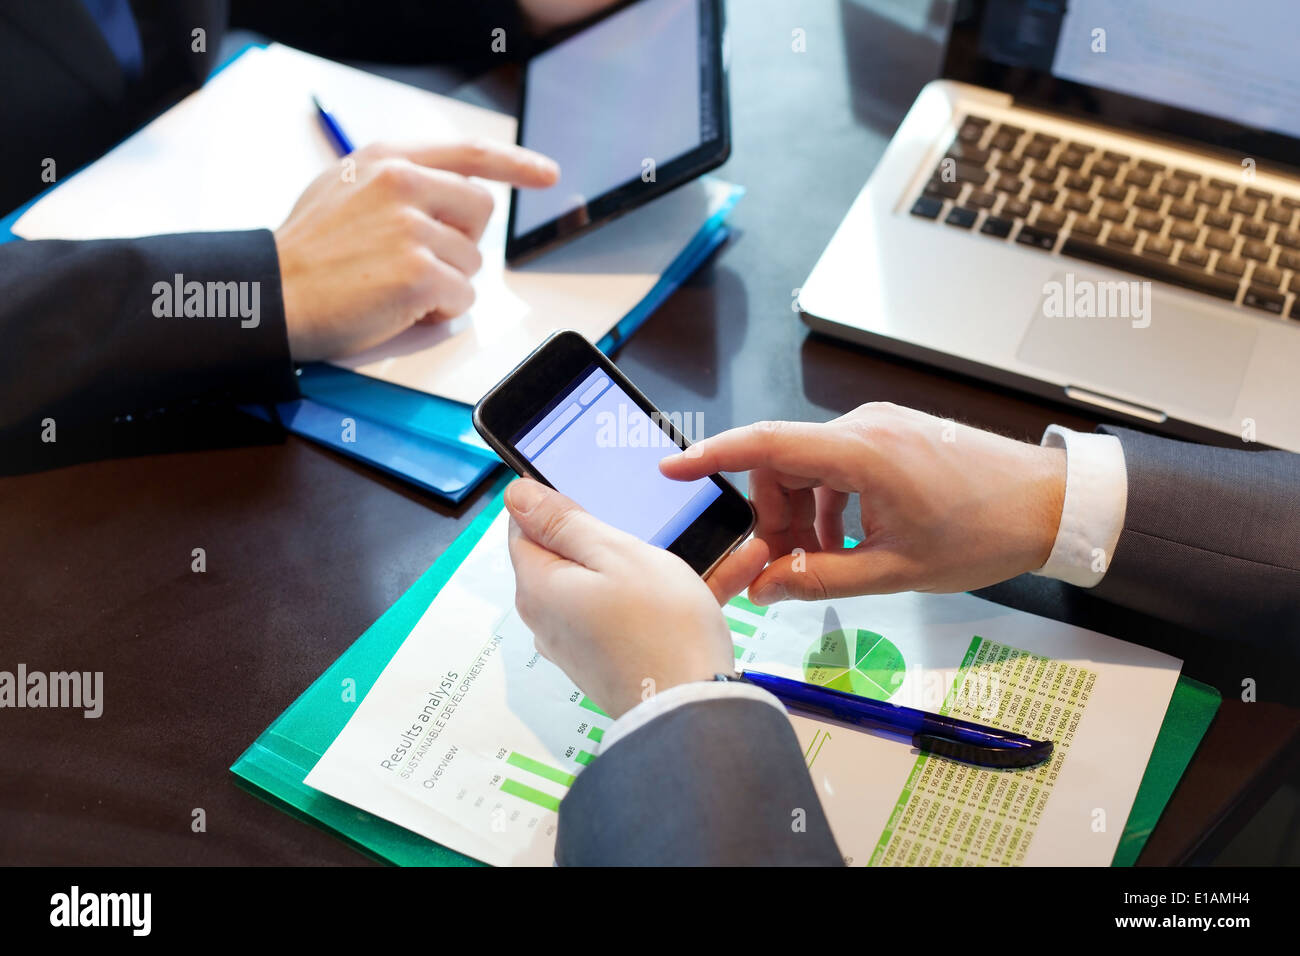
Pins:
x: 1211, y: 538
x: 716, y: 782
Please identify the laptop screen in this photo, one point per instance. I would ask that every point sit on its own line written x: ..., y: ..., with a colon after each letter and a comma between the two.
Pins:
x: 1221, y: 72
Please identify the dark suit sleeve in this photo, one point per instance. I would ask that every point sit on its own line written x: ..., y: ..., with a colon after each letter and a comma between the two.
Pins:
x: 716, y: 782
x: 83, y: 345
x: 450, y: 32
x: 1211, y: 538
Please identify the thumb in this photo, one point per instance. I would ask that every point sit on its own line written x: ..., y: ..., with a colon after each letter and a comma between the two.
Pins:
x: 555, y: 522
x: 816, y: 575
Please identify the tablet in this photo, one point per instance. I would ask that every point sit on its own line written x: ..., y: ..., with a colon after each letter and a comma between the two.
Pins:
x: 630, y: 107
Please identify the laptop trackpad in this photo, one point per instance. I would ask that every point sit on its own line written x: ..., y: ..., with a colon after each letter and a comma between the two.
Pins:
x: 1131, y: 338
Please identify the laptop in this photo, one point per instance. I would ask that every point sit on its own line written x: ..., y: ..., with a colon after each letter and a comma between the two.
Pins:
x: 1099, y: 203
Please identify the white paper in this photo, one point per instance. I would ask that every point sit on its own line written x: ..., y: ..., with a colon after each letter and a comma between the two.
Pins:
x: 518, y: 703
x: 238, y: 153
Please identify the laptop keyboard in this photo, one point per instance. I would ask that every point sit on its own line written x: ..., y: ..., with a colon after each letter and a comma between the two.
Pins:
x: 1174, y: 225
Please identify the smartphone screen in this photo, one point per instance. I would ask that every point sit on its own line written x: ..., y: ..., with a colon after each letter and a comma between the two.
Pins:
x: 599, y: 447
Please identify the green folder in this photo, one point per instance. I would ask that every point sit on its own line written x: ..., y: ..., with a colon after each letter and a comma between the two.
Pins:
x: 281, y: 757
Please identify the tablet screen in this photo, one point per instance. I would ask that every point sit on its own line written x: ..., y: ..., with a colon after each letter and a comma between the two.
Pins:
x: 629, y: 104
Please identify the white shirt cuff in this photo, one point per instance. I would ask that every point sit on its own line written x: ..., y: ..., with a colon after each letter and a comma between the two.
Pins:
x: 675, y: 697
x: 1096, y: 496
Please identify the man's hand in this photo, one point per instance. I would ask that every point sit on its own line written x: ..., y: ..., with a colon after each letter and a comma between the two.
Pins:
x: 365, y: 259
x: 945, y: 507
x: 622, y: 618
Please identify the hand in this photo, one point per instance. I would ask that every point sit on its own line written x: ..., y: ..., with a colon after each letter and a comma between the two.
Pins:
x: 364, y: 259
x: 619, y: 616
x: 546, y: 15
x: 937, y: 515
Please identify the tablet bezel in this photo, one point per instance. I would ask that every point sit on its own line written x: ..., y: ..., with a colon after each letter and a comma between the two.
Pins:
x: 635, y: 192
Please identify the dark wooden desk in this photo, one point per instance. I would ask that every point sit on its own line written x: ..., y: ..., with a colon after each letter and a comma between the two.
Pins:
x: 305, y: 550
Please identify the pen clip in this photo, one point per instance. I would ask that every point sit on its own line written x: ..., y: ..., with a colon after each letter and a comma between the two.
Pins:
x: 1014, y: 755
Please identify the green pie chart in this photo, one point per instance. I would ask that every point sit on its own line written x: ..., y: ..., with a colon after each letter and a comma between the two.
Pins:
x: 857, y: 662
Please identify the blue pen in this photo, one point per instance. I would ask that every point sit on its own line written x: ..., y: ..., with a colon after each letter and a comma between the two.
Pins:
x: 931, y: 733
x: 338, y: 139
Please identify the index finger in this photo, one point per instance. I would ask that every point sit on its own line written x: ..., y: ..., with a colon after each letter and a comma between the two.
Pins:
x: 804, y: 449
x: 505, y: 162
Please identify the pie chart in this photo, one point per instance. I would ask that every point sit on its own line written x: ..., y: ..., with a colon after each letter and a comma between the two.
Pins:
x: 857, y: 662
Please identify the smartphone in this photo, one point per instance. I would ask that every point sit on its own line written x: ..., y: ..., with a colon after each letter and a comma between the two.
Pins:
x: 569, y: 418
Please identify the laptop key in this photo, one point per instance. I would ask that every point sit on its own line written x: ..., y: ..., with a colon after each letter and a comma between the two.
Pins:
x: 1071, y: 159
x: 1043, y: 193
x: 1082, y: 204
x: 1266, y: 276
x: 942, y: 190
x: 1265, y: 299
x: 1113, y: 191
x: 1115, y: 157
x: 1015, y: 207
x: 1008, y: 184
x: 1037, y: 150
x: 997, y: 226
x: 1078, y: 182
x: 1149, y: 267
x: 1158, y: 246
x: 1254, y: 249
x: 1086, y: 227
x: 1230, y: 266
x: 1244, y: 205
x: 1218, y: 239
x: 982, y: 198
x: 1279, y: 214
x: 1044, y: 174
x: 927, y: 207
x: 970, y: 132
x: 1049, y: 218
x: 1151, y: 165
x: 1259, y: 193
x: 1148, y: 221
x: 1104, y: 167
x: 1039, y: 238
x: 1138, y: 177
x: 1047, y: 138
x: 1223, y: 184
x: 1219, y: 220
x: 1289, y: 260
x: 1003, y: 141
x: 1288, y: 238
x: 969, y: 153
x: 1172, y: 186
x: 961, y: 217
x: 1191, y: 175
x: 1255, y: 230
x: 1011, y: 164
x: 963, y: 172
x: 1209, y: 195
x: 1193, y: 256
x: 1148, y: 200
x: 1122, y: 235
x: 1113, y: 211
x: 1182, y: 210
x: 1185, y: 231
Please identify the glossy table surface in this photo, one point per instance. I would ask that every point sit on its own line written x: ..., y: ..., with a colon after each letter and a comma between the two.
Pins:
x: 305, y: 549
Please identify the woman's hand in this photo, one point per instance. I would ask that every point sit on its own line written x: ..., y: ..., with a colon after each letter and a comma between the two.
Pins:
x: 622, y: 618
